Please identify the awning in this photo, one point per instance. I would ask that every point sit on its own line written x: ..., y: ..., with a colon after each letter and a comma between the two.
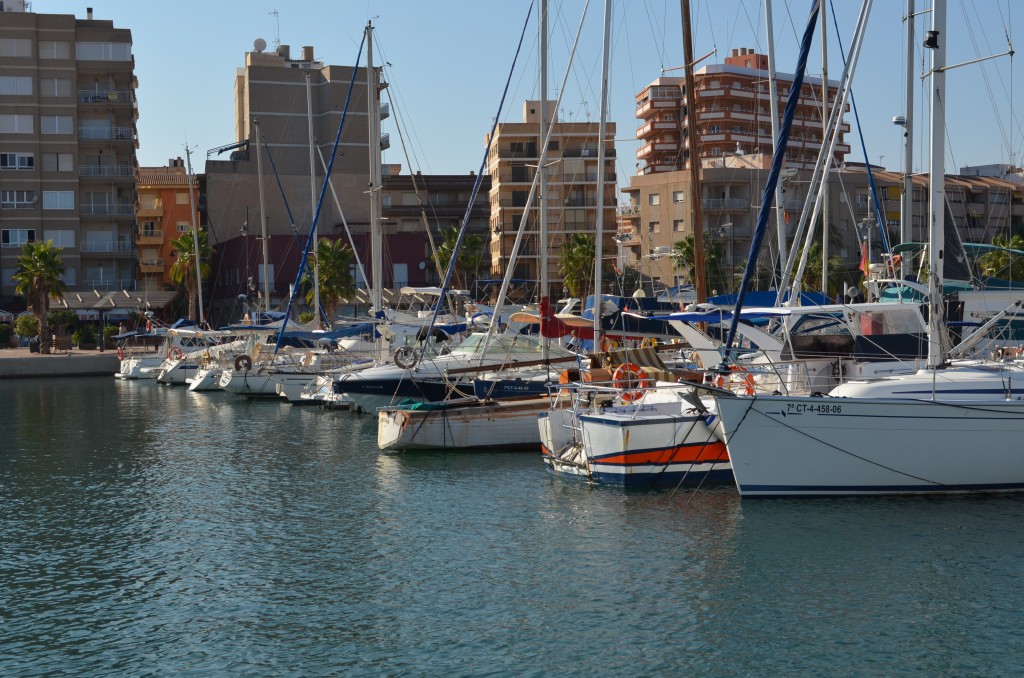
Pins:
x: 87, y: 314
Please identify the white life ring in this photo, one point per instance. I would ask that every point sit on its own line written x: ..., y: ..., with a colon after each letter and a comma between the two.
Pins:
x: 406, y: 357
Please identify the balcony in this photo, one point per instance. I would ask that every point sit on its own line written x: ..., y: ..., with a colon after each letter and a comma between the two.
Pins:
x: 114, y: 96
x: 657, y: 147
x: 657, y: 126
x: 106, y: 247
x: 151, y: 237
x: 105, y: 133
x: 126, y: 171
x: 107, y: 284
x: 151, y: 265
x: 107, y: 210
x: 152, y: 208
x: 724, y: 204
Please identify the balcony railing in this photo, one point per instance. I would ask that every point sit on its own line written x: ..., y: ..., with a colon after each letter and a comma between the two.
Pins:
x: 118, y: 96
x: 106, y: 247
x: 157, y: 234
x: 106, y: 171
x: 121, y: 284
x: 103, y: 133
x: 102, y: 210
x: 725, y: 203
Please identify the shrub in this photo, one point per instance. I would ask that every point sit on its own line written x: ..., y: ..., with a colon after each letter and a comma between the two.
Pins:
x: 84, y: 335
x: 26, y: 326
x: 5, y: 334
x: 61, y: 319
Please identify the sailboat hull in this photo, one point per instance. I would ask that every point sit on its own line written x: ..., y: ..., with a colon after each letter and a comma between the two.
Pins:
x: 508, y: 425
x: 809, y: 447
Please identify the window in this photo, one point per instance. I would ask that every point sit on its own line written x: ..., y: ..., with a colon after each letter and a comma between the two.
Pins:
x: 678, y: 226
x: 678, y: 196
x: 55, y: 124
x: 267, y: 273
x: 15, y: 47
x: 16, y: 161
x: 654, y: 199
x: 16, y: 237
x: 16, y: 124
x: 57, y: 162
x: 184, y: 227
x: 181, y: 198
x: 17, y: 199
x: 18, y: 85
x: 654, y: 227
x: 54, y: 49
x: 54, y: 87
x: 60, y: 237
x: 103, y: 51
x: 58, y: 200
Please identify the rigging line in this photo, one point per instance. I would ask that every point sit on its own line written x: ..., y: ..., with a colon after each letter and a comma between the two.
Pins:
x: 996, y: 110
x: 280, y: 188
x: 316, y: 217
x: 341, y: 213
x: 879, y: 214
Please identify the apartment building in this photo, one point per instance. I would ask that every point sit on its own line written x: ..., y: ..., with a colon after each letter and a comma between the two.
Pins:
x: 276, y: 98
x: 573, y: 196
x: 732, y: 104
x: 167, y: 211
x: 68, y: 146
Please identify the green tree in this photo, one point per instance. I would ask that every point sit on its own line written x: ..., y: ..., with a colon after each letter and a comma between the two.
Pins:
x: 576, y: 264
x: 183, y: 270
x: 714, y: 262
x: 1003, y: 264
x: 469, y: 258
x: 38, y: 279
x: 837, y: 272
x: 334, y: 270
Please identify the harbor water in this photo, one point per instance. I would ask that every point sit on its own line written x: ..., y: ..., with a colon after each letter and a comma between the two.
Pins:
x: 149, y: 531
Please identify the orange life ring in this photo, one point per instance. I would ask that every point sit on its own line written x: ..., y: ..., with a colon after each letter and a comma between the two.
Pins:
x: 631, y: 380
x: 120, y: 353
x: 748, y: 379
x: 174, y: 353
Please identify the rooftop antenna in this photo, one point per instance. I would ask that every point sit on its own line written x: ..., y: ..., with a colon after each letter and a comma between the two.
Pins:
x: 277, y: 31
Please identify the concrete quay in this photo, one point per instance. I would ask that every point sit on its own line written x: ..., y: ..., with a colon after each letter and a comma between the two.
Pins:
x: 19, y: 363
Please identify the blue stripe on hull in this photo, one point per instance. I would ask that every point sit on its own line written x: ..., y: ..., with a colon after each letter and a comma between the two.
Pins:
x: 790, y: 491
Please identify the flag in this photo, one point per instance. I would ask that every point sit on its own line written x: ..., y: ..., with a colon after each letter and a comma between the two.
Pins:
x: 864, y: 262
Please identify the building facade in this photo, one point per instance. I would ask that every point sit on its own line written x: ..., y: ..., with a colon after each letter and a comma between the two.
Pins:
x: 166, y: 212
x: 68, y: 143
x: 573, y: 196
x: 732, y: 104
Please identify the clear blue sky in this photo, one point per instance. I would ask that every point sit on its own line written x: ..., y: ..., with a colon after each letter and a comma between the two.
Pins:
x: 450, y: 59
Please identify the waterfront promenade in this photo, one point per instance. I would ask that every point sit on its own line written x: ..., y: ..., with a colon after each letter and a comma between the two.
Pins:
x: 19, y: 363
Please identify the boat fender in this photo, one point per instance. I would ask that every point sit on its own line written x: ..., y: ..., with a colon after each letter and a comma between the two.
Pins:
x: 243, y: 363
x: 174, y: 353
x: 406, y: 357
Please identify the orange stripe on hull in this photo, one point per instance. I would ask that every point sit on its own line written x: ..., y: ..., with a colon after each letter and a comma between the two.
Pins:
x: 683, y: 454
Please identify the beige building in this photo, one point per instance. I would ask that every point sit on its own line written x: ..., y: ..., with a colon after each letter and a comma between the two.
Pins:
x: 572, y: 194
x: 67, y: 146
x: 272, y: 91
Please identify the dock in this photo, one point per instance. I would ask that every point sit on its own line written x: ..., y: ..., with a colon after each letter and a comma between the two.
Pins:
x: 19, y: 363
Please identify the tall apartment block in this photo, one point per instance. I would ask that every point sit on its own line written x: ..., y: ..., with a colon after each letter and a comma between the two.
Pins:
x: 165, y: 214
x: 277, y: 95
x: 572, y: 191
x: 67, y: 145
x: 732, y: 104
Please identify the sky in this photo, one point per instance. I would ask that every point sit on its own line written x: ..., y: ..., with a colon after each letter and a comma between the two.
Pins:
x: 447, y: 62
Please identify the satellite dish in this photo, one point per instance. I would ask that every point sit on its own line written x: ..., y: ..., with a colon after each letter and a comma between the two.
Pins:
x: 259, y: 44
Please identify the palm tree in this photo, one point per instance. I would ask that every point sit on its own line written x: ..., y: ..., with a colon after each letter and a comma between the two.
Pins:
x: 837, y: 272
x: 469, y: 257
x: 1003, y: 264
x: 577, y: 264
x: 714, y: 257
x: 183, y: 270
x: 336, y: 281
x: 38, y: 279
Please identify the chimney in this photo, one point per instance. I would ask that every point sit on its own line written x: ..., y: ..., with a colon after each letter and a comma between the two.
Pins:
x: 88, y: 13
x: 307, y: 53
x: 284, y: 51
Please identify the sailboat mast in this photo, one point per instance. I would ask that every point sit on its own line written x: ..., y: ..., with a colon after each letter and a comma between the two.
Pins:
x: 693, y: 161
x: 373, y: 117
x: 773, y: 107
x: 828, y: 159
x: 195, y: 233
x: 542, y: 233
x: 907, y: 204
x: 599, y: 223
x: 263, y: 217
x: 312, y: 194
x: 937, y: 183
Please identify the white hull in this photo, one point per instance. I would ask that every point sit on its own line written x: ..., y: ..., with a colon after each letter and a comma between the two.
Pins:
x: 177, y: 371
x: 468, y: 426
x: 137, y: 367
x: 205, y: 379
x: 260, y: 383
x: 792, y: 446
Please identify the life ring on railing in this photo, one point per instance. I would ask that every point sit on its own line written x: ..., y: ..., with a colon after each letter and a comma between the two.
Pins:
x: 174, y: 353
x: 243, y: 363
x: 120, y: 353
x: 631, y: 380
x: 406, y: 357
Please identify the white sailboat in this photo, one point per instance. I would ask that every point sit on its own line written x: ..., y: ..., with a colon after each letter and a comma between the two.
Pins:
x: 950, y: 428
